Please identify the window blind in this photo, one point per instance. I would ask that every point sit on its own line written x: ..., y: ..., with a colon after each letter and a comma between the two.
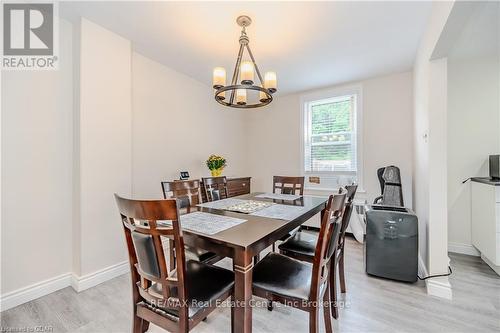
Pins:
x: 330, y: 135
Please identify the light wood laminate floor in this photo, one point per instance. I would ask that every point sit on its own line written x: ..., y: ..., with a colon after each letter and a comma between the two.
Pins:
x: 371, y: 305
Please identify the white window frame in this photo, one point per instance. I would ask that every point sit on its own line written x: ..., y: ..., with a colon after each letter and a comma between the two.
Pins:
x: 326, y: 94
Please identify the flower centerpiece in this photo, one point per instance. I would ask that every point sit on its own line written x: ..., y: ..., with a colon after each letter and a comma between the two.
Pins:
x: 215, y: 164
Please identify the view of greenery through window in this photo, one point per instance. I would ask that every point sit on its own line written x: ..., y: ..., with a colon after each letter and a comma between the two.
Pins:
x: 331, y: 131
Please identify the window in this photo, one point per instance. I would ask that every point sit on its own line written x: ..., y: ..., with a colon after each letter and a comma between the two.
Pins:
x: 330, y: 138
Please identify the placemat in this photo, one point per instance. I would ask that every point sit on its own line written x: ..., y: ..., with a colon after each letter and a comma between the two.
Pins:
x: 282, y: 212
x: 207, y: 223
x: 279, y: 196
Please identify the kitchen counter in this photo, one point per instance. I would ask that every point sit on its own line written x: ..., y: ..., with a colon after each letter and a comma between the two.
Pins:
x: 486, y: 180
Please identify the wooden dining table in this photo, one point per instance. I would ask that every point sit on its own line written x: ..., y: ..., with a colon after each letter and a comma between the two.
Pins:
x: 245, y: 241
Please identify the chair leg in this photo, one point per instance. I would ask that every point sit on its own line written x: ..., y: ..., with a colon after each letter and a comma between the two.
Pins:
x: 145, y: 326
x: 269, y: 305
x: 333, y: 288
x: 232, y: 313
x: 341, y: 272
x: 313, y: 320
x: 137, y: 326
x: 326, y: 310
x: 274, y: 247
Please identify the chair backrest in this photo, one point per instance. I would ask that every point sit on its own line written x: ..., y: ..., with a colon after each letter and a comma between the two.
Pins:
x: 215, y: 188
x: 187, y: 192
x: 351, y: 192
x: 144, y: 223
x: 327, y: 241
x: 288, y: 185
x: 380, y: 173
x: 392, y: 193
x: 349, y: 206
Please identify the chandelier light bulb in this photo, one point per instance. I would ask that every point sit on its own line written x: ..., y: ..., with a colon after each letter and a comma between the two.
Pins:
x: 263, y: 97
x: 219, y: 77
x: 246, y: 72
x: 221, y: 96
x: 270, y: 81
x: 241, y: 96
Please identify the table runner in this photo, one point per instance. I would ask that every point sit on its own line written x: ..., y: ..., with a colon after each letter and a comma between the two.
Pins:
x: 221, y: 204
x: 237, y: 205
x: 282, y: 212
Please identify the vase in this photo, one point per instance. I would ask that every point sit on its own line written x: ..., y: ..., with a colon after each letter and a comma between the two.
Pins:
x: 216, y: 172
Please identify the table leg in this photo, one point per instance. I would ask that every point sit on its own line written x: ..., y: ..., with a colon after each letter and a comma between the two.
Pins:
x: 242, y: 266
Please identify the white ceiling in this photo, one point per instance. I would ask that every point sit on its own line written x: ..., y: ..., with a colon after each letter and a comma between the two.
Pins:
x: 308, y: 44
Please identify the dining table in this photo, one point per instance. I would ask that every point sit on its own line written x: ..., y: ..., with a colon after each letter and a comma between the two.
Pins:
x: 246, y: 240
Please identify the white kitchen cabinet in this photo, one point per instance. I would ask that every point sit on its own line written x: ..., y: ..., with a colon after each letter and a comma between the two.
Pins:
x: 485, y: 198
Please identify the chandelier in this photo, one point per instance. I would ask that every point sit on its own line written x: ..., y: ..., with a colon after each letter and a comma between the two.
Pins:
x: 243, y: 92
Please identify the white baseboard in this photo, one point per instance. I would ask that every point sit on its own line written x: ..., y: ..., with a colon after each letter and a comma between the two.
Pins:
x: 34, y: 291
x: 438, y: 286
x: 461, y: 248
x: 80, y: 283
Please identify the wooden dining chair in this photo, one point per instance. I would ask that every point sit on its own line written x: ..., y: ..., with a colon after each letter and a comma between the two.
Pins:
x: 187, y: 192
x: 176, y: 300
x: 302, y: 246
x: 299, y: 284
x: 288, y: 185
x: 215, y: 188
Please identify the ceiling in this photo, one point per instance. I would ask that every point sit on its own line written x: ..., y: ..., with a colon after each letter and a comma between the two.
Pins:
x: 308, y: 44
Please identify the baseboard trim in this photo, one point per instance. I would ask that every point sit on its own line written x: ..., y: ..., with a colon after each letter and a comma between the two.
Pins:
x: 438, y: 286
x: 78, y: 283
x: 81, y: 283
x: 461, y: 248
x: 34, y: 291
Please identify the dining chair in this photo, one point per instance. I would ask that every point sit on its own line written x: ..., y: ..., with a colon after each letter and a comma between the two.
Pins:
x: 302, y: 246
x: 187, y: 192
x: 299, y: 284
x: 288, y: 185
x: 215, y: 188
x: 178, y: 299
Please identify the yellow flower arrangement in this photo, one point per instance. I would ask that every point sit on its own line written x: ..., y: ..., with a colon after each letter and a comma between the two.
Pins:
x: 215, y: 164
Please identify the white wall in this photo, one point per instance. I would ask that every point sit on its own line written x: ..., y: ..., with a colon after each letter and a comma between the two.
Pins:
x: 36, y: 172
x: 430, y: 150
x: 68, y: 147
x: 104, y: 152
x: 134, y: 122
x: 473, y: 116
x: 274, y: 135
x: 177, y: 124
